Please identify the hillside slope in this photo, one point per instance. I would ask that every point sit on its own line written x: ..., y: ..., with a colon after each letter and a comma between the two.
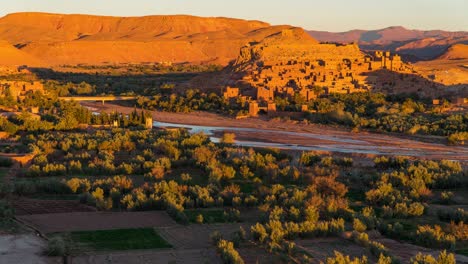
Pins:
x: 11, y: 56
x: 451, y: 68
x: 456, y: 52
x: 74, y: 39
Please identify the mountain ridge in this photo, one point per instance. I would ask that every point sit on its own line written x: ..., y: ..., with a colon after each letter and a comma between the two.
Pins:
x: 86, y: 39
x: 415, y: 44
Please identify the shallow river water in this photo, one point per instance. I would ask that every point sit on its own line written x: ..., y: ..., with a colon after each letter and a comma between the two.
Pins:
x: 314, y: 141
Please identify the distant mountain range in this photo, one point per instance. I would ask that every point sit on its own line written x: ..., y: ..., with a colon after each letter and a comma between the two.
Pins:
x: 414, y: 45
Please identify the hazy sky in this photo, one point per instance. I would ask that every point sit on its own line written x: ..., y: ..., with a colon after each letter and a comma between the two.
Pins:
x: 330, y: 15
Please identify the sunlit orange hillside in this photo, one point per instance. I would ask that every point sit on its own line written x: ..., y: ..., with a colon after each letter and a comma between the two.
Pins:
x: 11, y: 56
x: 456, y: 52
x: 450, y: 68
x: 73, y: 39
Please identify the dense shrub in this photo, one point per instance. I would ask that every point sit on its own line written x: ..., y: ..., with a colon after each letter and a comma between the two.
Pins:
x: 339, y: 258
x: 450, y: 215
x: 434, y: 237
x: 443, y: 258
x: 5, y: 162
x: 57, y: 246
x: 6, y: 211
x: 228, y: 253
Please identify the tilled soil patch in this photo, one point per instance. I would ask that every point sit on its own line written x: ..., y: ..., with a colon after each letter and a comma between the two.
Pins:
x: 322, y: 248
x: 189, y: 256
x: 197, y: 236
x: 25, y: 206
x: 87, y: 221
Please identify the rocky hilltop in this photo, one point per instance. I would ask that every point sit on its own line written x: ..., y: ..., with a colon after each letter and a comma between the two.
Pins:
x: 74, y: 39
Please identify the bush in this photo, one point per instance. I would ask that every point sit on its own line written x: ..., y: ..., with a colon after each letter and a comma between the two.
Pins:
x: 359, y: 226
x: 98, y: 194
x: 337, y: 226
x: 259, y: 232
x: 229, y: 255
x: 460, y: 230
x: 384, y: 259
x: 87, y: 198
x: 104, y: 204
x: 6, y: 211
x: 450, y: 215
x: 361, y: 238
x: 377, y: 249
x: 232, y: 215
x: 215, y: 237
x: 342, y: 259
x: 57, y: 246
x: 228, y: 138
x: 446, y: 198
x: 443, y: 258
x: 5, y: 162
x: 416, y: 209
x: 434, y: 237
x: 77, y: 185
x: 50, y: 186
x: 239, y: 236
x: 396, y: 230
x: 177, y: 213
x: 367, y: 217
x: 199, y: 219
x: 185, y: 177
x: 458, y: 138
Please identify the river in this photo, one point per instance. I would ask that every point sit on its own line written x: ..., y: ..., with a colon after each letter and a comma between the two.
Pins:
x: 363, y: 144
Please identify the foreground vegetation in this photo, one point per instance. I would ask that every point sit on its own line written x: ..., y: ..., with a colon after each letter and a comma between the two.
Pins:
x: 284, y: 196
x: 296, y: 196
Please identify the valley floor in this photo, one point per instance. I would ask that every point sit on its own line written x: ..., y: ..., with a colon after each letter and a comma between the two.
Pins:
x: 300, y: 136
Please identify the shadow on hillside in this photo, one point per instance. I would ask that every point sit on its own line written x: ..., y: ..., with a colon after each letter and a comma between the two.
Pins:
x: 126, y: 83
x: 383, y: 80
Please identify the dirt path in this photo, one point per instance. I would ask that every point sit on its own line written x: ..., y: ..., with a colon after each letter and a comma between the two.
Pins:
x: 26, y: 206
x: 188, y: 256
x: 24, y: 248
x: 322, y: 248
